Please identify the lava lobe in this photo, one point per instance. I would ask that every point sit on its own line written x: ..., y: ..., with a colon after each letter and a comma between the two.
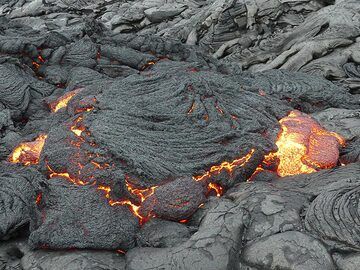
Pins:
x: 304, y: 146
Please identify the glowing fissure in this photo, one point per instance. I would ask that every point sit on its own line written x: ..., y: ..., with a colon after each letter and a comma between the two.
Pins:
x: 134, y: 208
x: 28, y: 153
x: 67, y: 176
x: 63, y: 101
x: 228, y: 166
x: 142, y: 194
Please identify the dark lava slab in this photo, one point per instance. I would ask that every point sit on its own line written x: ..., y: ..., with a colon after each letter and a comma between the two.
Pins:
x: 305, y: 92
x: 273, y: 210
x: 314, y: 183
x: 80, y: 217
x: 347, y: 262
x: 334, y: 214
x: 19, y: 188
x: 176, y: 200
x: 11, y: 253
x: 213, y: 247
x: 75, y: 259
x: 14, y: 89
x: 162, y: 233
x: 289, y: 250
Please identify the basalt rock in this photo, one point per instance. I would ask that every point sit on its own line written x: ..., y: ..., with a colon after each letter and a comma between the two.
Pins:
x: 304, y: 92
x: 160, y: 234
x: 289, y: 250
x: 342, y: 121
x: 174, y: 201
x: 213, y: 246
x: 70, y: 217
x: 347, y: 262
x: 351, y: 153
x: 64, y: 260
x: 273, y: 210
x: 332, y: 215
x: 19, y: 189
x: 170, y: 104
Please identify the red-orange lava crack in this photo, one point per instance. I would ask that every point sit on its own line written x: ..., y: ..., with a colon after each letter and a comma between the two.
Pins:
x: 192, y: 108
x: 66, y: 175
x: 133, y: 207
x: 226, y: 165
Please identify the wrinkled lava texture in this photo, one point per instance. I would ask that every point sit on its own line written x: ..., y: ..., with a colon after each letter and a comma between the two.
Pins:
x: 143, y: 145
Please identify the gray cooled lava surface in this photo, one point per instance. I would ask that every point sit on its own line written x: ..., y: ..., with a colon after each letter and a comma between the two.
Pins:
x: 164, y: 91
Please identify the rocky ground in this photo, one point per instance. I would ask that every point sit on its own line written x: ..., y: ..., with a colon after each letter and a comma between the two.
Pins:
x: 163, y: 90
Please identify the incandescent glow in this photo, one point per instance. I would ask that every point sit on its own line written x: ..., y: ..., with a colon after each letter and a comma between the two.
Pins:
x: 28, y: 153
x: 142, y: 194
x: 63, y: 101
x: 38, y: 198
x: 228, y: 166
x: 77, y: 128
x: 304, y: 146
x: 133, y: 207
x: 217, y: 188
x: 65, y: 175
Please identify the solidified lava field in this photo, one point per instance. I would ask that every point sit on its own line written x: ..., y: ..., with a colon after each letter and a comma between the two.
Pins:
x: 179, y: 135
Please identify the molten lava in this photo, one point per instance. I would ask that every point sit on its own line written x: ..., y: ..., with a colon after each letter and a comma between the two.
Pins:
x: 217, y: 188
x: 28, y: 152
x: 142, y: 194
x: 67, y: 176
x: 38, y: 198
x: 62, y: 101
x: 77, y: 128
x: 304, y: 146
x: 133, y: 207
x: 228, y: 166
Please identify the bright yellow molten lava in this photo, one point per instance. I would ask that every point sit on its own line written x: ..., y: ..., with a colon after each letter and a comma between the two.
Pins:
x: 62, y: 101
x: 28, y: 152
x: 304, y: 146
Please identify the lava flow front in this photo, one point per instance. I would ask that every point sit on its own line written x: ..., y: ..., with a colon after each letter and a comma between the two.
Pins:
x: 304, y: 146
x: 28, y: 152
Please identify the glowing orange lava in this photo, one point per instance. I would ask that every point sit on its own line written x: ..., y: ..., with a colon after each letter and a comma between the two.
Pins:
x: 67, y: 177
x: 228, y: 166
x: 36, y: 65
x: 63, y: 100
x: 142, y: 194
x: 77, y: 128
x: 133, y: 207
x: 191, y: 108
x: 148, y: 64
x: 38, y: 198
x: 28, y: 152
x: 217, y: 188
x: 304, y: 146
